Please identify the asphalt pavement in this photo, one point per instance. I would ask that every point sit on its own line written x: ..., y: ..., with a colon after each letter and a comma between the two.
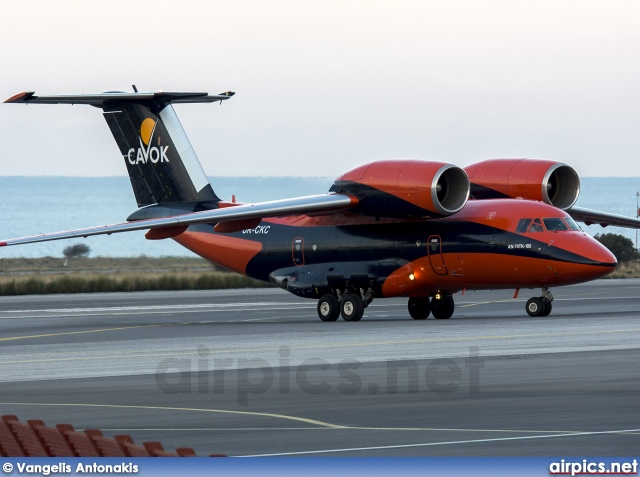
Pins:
x: 255, y: 372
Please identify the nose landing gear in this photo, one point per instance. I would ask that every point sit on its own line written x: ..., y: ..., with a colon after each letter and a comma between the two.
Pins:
x: 540, y: 306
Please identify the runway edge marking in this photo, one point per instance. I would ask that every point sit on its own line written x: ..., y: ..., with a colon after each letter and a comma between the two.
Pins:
x: 184, y: 409
x: 428, y: 444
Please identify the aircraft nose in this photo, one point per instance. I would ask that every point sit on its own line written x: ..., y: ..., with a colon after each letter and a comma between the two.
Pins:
x: 600, y: 253
x: 591, y: 261
x: 600, y: 256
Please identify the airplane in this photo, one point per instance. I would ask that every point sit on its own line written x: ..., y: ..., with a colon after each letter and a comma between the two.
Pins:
x: 419, y: 229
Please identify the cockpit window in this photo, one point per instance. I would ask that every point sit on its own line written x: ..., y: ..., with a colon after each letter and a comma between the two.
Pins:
x: 523, y: 225
x: 554, y: 224
x: 571, y: 223
x: 536, y: 226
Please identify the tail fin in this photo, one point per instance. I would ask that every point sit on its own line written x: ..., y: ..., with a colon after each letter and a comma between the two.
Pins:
x: 161, y: 163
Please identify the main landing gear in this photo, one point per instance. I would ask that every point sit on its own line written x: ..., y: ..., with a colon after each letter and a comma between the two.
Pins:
x: 350, y: 305
x: 328, y: 308
x: 540, y: 306
x: 441, y: 306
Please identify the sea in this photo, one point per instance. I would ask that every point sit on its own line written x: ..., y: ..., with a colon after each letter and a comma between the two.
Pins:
x: 35, y: 205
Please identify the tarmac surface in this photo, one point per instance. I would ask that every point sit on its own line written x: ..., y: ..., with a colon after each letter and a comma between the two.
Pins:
x: 255, y: 372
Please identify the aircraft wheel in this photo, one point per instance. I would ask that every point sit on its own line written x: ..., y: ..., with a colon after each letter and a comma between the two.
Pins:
x: 328, y: 308
x: 547, y: 308
x: 419, y: 307
x: 536, y: 307
x: 442, y: 309
x: 351, y: 307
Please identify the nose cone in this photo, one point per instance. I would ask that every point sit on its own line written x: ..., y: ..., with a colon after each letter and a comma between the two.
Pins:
x: 600, y: 253
x: 589, y: 258
x: 604, y: 262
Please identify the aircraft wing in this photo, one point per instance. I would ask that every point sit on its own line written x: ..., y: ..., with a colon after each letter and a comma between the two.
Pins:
x: 590, y: 217
x: 314, y: 204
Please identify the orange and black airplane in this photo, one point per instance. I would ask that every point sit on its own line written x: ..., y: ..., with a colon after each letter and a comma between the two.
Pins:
x: 419, y: 229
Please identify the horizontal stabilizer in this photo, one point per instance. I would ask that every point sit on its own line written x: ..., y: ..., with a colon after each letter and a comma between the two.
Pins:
x: 314, y: 204
x: 108, y: 99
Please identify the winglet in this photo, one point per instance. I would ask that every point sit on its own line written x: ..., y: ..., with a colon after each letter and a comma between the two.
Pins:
x: 20, y: 97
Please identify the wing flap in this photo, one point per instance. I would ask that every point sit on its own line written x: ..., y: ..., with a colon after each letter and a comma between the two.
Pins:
x: 314, y: 204
x: 590, y: 217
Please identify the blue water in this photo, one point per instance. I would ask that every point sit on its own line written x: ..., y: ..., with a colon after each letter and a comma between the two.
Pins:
x: 34, y: 205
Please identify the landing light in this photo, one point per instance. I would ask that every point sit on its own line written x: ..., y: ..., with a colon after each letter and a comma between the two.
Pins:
x: 412, y: 277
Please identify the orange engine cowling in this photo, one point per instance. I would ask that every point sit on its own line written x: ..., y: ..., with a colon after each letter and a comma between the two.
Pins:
x: 406, y: 188
x: 548, y: 181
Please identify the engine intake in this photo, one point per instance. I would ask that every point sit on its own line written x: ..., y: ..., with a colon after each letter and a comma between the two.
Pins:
x: 561, y: 186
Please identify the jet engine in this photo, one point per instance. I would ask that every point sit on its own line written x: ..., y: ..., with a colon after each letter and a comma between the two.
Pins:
x: 548, y: 181
x: 405, y: 188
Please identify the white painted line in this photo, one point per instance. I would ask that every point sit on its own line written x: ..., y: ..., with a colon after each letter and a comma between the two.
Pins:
x: 428, y: 444
x: 522, y: 300
x: 145, y: 307
x: 131, y: 313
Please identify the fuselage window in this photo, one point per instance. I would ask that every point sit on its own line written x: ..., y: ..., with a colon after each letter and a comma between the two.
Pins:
x: 571, y: 223
x: 554, y: 224
x: 523, y: 225
x: 536, y: 226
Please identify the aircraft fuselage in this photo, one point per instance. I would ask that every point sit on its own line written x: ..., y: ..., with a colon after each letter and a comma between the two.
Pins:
x: 477, y: 248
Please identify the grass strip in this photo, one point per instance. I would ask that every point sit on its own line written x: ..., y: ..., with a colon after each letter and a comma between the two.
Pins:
x: 626, y: 270
x: 129, y: 282
x: 122, y: 264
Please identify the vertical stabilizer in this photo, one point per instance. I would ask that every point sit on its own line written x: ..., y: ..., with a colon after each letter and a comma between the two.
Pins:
x: 161, y: 163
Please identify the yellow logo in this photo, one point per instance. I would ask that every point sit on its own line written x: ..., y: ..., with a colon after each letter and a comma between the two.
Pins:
x: 146, y: 130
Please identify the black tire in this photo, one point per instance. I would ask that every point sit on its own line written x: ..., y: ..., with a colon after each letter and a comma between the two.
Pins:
x: 547, y: 308
x: 328, y: 308
x: 419, y: 307
x: 536, y: 307
x: 443, y: 308
x: 351, y: 307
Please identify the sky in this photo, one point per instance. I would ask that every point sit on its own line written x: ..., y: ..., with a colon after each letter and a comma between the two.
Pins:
x: 323, y: 87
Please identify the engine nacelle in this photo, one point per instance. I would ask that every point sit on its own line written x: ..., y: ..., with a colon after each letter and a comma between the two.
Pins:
x: 548, y: 181
x: 406, y: 188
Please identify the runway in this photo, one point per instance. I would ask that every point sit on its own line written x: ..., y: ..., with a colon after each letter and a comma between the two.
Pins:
x: 255, y: 372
